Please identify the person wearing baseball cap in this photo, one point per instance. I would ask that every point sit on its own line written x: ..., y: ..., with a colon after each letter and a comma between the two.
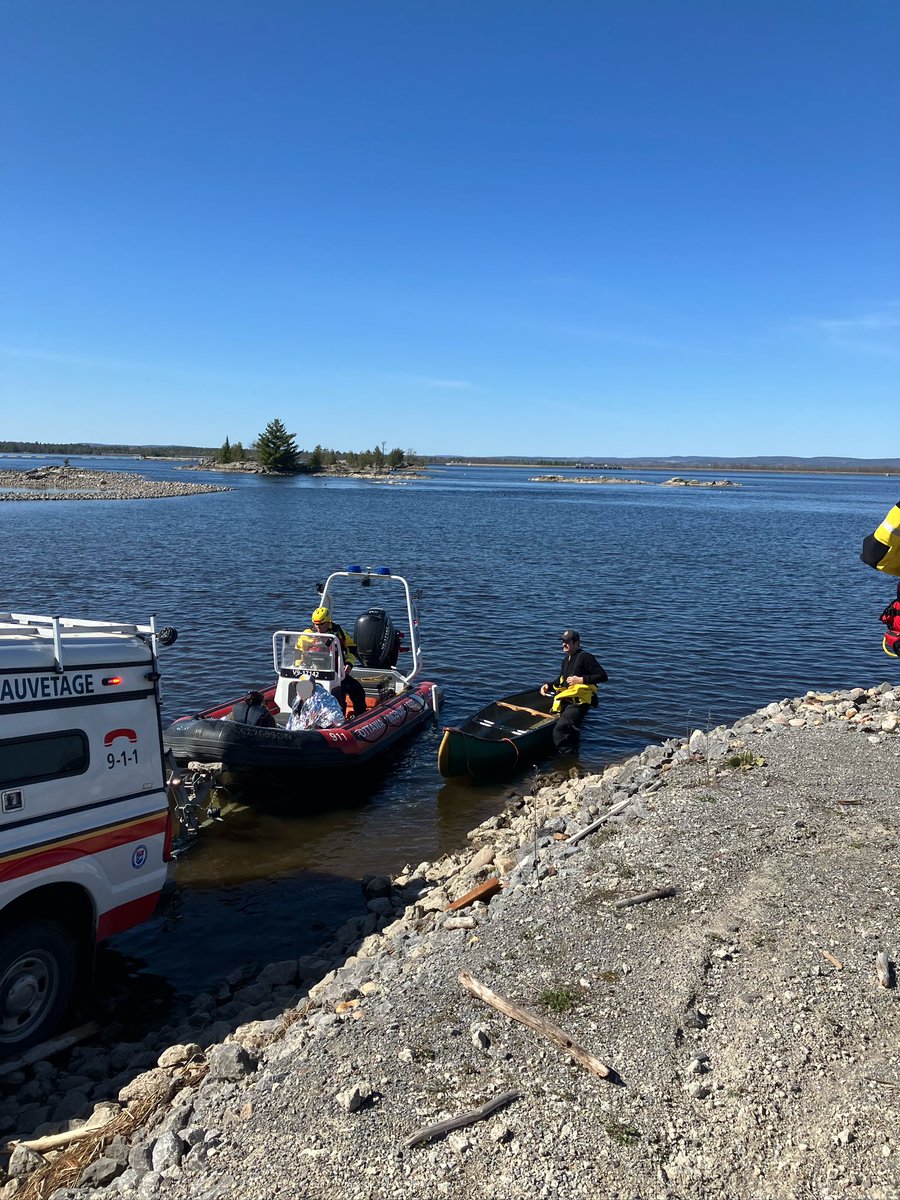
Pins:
x: 574, y: 691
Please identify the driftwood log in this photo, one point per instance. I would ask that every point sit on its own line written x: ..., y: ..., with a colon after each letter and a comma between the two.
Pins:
x: 656, y: 894
x: 430, y: 1132
x: 612, y: 812
x: 559, y: 1036
x: 53, y: 1141
x: 483, y: 891
x: 829, y: 957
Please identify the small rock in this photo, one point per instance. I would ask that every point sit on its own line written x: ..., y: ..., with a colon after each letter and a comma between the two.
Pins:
x: 140, y: 1159
x: 148, y: 1083
x: 279, y: 974
x: 118, y: 1150
x: 481, y: 1039
x: 100, y: 1172
x: 374, y: 886
x: 168, y: 1151
x: 253, y: 993
x: 175, y: 1056
x: 127, y: 1182
x: 698, y: 742
x: 23, y: 1161
x: 229, y: 1061
x: 150, y: 1185
x: 256, y: 1034
x: 484, y: 858
x: 352, y: 1099
x: 74, y: 1104
x: 193, y: 1135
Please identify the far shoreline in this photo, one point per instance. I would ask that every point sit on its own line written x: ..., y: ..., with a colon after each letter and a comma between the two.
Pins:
x: 692, y: 469
x: 185, y: 461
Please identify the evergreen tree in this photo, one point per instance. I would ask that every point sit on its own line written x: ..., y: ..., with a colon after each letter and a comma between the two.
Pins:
x: 314, y: 462
x: 395, y: 458
x: 276, y: 449
x: 225, y: 452
x: 237, y: 452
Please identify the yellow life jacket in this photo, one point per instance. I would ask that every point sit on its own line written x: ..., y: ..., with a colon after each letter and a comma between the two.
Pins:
x: 348, y: 647
x: 315, y: 655
x: 881, y: 549
x: 578, y: 693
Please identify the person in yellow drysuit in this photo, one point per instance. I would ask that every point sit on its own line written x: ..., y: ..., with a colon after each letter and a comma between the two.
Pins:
x: 322, y: 623
x: 881, y: 549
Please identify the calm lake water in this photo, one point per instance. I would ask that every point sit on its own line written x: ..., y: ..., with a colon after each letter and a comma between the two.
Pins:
x: 702, y: 604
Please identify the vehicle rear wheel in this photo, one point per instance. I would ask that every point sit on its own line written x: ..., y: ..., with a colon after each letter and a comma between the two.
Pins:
x: 38, y: 965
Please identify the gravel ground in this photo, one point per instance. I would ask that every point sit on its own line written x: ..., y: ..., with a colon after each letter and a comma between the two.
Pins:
x: 79, y: 483
x: 754, y: 1050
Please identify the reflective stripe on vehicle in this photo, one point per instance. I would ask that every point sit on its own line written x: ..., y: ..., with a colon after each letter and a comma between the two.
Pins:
x: 62, y: 850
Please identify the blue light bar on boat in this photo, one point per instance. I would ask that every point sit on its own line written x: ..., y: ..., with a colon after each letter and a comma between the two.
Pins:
x: 354, y: 570
x: 383, y: 571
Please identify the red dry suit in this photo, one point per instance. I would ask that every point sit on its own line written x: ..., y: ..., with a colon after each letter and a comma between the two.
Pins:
x: 891, y: 618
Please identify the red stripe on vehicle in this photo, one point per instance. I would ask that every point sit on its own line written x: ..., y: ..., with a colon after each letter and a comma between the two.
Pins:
x: 39, y: 858
x: 126, y: 915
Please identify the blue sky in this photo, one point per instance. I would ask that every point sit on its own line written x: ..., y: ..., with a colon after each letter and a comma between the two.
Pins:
x: 458, y: 226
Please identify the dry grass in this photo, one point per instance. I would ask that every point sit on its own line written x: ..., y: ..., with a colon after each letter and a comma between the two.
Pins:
x: 67, y: 1168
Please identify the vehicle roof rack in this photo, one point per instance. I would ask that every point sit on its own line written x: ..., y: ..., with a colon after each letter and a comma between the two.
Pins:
x: 28, y: 624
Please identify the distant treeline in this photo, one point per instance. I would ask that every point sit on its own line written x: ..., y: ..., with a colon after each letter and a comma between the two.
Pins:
x: 379, y: 458
x: 862, y: 466
x: 82, y: 448
x: 571, y: 464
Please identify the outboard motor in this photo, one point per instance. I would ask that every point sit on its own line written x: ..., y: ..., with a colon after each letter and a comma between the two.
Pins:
x: 377, y: 641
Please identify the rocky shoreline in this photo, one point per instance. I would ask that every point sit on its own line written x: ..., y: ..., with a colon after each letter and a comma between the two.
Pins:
x: 397, y: 478
x: 79, y: 483
x: 716, y: 919
x: 675, y: 481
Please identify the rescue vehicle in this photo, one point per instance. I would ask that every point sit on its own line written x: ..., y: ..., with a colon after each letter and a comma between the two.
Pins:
x: 85, y: 823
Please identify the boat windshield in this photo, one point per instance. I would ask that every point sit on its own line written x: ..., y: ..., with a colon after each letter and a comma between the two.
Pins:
x: 317, y: 655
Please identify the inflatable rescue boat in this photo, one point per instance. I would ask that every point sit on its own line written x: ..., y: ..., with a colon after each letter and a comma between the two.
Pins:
x: 397, y: 706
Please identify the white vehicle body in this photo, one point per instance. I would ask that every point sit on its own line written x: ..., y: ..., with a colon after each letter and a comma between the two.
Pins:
x: 85, y: 825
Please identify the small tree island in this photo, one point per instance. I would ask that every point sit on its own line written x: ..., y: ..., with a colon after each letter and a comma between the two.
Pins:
x: 275, y: 452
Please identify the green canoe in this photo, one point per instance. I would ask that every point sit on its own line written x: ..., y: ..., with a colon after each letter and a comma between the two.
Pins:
x: 502, y: 736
